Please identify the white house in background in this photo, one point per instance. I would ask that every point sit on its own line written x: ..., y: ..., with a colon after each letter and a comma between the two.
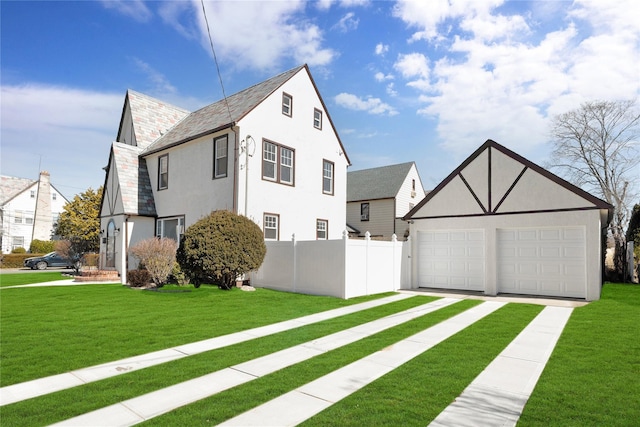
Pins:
x: 502, y: 224
x: 378, y: 198
x: 28, y: 210
x: 270, y: 152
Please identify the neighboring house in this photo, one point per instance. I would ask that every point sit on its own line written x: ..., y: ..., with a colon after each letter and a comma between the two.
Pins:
x: 378, y: 198
x: 502, y: 224
x: 28, y: 210
x: 270, y: 152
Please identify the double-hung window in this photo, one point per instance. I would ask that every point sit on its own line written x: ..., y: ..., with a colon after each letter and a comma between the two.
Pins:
x: 317, y: 119
x: 271, y: 226
x: 278, y: 163
x: 287, y: 104
x: 327, y: 177
x: 163, y: 172
x: 322, y: 229
x: 172, y: 228
x: 364, y: 211
x: 220, y: 157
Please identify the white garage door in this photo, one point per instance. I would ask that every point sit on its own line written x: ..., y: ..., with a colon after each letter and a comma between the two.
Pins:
x: 545, y: 261
x: 451, y: 259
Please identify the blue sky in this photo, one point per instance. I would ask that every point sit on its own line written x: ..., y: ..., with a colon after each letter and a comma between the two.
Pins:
x: 424, y: 81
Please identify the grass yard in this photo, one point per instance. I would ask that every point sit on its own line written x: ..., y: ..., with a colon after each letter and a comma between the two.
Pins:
x: 13, y: 279
x: 593, y: 376
x: 591, y: 379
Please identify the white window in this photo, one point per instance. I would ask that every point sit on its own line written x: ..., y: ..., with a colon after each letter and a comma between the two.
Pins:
x: 220, y: 148
x: 317, y: 118
x: 17, y: 218
x: 271, y: 226
x: 54, y: 196
x: 170, y: 227
x: 364, y: 211
x: 287, y: 104
x: 33, y: 194
x: 278, y: 163
x: 286, y: 165
x: 327, y: 177
x: 163, y: 172
x: 322, y: 228
x: 17, y: 242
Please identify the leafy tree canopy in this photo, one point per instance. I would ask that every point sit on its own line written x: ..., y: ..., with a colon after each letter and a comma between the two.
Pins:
x: 80, y: 219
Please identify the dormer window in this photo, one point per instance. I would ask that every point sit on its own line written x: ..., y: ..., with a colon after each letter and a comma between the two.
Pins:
x: 287, y: 104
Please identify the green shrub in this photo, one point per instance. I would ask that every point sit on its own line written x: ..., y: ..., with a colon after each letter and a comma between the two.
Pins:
x: 138, y: 278
x: 18, y: 251
x: 41, y: 246
x: 177, y: 276
x: 157, y: 256
x: 221, y: 247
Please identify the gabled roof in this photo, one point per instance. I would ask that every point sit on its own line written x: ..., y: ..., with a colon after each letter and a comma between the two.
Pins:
x: 135, y: 184
x: 498, y: 192
x: 151, y: 117
x: 377, y: 183
x: 218, y: 116
x: 11, y: 186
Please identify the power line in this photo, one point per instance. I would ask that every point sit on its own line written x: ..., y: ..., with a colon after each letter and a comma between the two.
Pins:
x: 215, y: 58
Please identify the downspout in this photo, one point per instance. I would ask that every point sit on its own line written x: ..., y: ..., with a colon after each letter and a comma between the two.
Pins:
x: 235, y: 166
x: 125, y: 264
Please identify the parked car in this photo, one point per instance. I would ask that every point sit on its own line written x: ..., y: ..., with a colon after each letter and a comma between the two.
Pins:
x: 52, y: 259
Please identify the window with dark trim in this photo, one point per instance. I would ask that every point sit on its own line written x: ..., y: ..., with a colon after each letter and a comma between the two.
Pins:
x: 163, y: 172
x: 271, y: 226
x: 220, y: 157
x: 317, y: 119
x: 364, y: 211
x: 322, y: 229
x: 172, y: 228
x: 278, y: 163
x: 287, y: 104
x: 327, y: 177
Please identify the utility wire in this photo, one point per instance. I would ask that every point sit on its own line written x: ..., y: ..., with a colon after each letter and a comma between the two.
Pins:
x: 215, y: 58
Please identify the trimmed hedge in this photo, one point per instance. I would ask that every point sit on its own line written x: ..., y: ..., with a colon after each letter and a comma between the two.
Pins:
x: 15, y: 260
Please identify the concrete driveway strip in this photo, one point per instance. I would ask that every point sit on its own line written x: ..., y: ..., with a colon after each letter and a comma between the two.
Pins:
x: 29, y: 389
x: 298, y: 405
x: 498, y: 395
x: 152, y: 404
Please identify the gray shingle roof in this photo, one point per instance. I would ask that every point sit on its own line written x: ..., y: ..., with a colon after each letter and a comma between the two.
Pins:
x: 217, y: 116
x: 11, y: 186
x: 152, y: 117
x: 135, y: 184
x: 376, y: 183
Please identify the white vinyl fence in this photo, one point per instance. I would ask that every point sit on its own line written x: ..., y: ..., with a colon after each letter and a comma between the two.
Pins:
x: 342, y: 268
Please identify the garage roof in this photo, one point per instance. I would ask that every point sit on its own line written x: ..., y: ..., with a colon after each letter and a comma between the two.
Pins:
x: 494, y: 180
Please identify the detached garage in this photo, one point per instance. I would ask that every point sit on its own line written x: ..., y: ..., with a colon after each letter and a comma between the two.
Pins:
x: 502, y: 224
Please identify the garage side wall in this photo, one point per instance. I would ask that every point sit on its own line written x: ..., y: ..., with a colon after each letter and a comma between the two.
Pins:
x: 585, y: 223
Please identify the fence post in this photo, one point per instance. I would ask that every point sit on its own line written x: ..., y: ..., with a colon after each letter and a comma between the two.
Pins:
x: 394, y: 241
x: 367, y: 239
x: 345, y: 259
x: 295, y: 264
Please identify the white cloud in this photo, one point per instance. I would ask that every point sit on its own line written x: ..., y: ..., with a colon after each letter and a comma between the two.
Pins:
x: 505, y: 76
x: 370, y: 105
x: 160, y: 84
x: 347, y: 23
x: 136, y: 9
x: 391, y: 90
x: 263, y: 35
x: 69, y: 131
x: 381, y: 77
x: 381, y: 49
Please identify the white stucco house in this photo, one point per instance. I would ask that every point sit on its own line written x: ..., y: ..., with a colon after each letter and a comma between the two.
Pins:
x: 270, y: 152
x: 378, y: 199
x: 29, y: 210
x: 502, y: 224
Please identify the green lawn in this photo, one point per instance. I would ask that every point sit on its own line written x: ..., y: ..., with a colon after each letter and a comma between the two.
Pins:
x: 13, y: 279
x: 591, y: 379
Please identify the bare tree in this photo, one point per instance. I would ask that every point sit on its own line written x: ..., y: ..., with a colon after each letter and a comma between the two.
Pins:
x: 597, y: 147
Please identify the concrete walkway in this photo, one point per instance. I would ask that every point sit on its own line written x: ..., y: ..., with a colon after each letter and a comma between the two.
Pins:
x: 139, y: 409
x: 26, y: 390
x: 498, y: 395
